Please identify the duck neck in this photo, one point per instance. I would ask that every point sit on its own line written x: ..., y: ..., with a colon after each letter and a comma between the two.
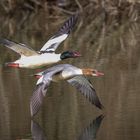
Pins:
x: 87, y: 71
x: 59, y: 56
x: 62, y: 57
x: 70, y: 74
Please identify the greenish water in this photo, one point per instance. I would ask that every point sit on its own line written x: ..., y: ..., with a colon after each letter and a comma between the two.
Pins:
x: 65, y: 114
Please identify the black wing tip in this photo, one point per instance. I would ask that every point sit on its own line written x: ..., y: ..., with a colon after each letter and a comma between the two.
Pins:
x: 4, y: 41
x: 7, y: 42
x: 100, y: 106
x: 97, y: 103
x: 76, y: 15
x: 69, y: 24
x: 96, y: 100
x: 73, y: 19
x: 100, y: 117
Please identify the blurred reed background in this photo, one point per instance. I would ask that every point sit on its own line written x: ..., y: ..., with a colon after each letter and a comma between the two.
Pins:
x: 107, y: 35
x: 32, y: 20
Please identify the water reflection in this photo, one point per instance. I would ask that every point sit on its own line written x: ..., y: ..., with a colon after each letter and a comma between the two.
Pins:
x: 89, y: 133
x: 37, y: 132
x: 111, y: 46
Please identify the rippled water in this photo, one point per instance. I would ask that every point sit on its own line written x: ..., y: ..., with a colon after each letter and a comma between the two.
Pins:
x: 65, y: 114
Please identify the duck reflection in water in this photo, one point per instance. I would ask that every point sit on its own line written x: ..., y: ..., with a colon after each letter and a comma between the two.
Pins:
x: 35, y: 59
x: 37, y: 132
x: 89, y: 133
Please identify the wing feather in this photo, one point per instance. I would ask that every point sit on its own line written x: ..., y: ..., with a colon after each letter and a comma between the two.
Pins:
x: 37, y: 98
x: 41, y: 88
x: 85, y: 87
x: 61, y: 35
x: 19, y: 48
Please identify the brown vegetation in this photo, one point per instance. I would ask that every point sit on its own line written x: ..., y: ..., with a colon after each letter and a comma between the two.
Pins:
x: 102, y: 22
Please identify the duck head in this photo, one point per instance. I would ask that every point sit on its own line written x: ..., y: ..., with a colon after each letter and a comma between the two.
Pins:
x: 92, y: 72
x: 69, y: 54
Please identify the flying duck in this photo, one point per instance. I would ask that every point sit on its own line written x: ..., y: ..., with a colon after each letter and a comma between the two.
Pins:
x: 73, y: 75
x: 33, y: 59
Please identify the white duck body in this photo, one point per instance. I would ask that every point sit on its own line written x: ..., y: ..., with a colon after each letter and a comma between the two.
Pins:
x: 38, y: 60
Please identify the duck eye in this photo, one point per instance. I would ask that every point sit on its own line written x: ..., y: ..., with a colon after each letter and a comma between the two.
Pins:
x: 95, y: 71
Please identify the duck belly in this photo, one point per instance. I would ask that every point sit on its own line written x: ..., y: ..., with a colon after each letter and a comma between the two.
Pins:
x: 37, y: 61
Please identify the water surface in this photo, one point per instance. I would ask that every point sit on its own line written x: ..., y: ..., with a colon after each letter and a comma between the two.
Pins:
x: 66, y: 114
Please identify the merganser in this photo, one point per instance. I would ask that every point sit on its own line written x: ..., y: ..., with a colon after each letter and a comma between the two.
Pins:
x: 33, y: 59
x: 73, y: 75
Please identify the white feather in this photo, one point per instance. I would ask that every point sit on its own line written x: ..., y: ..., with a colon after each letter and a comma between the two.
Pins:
x: 53, y: 41
x: 39, y: 80
x: 71, y: 72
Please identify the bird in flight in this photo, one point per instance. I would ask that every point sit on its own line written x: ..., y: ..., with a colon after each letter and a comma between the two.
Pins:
x: 46, y: 56
x: 73, y: 75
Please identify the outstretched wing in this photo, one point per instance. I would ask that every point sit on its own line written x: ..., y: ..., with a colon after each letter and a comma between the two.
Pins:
x: 42, y: 86
x: 85, y: 87
x: 61, y: 35
x: 38, y: 95
x: 21, y: 49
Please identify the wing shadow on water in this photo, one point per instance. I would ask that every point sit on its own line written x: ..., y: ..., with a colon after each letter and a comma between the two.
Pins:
x: 89, y: 133
x: 37, y: 132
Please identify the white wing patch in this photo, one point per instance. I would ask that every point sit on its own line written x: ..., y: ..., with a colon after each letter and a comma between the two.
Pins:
x: 39, y: 80
x: 55, y: 42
